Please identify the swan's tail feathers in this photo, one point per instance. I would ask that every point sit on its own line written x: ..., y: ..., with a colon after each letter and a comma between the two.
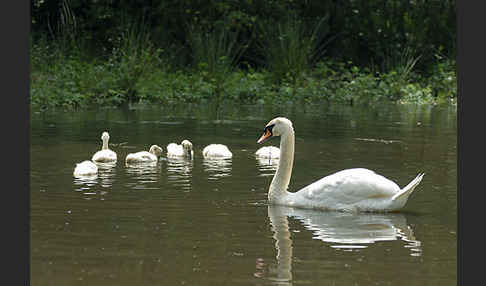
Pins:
x: 408, y: 189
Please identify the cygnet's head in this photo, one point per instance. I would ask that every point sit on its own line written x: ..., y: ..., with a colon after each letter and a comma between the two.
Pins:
x: 105, y: 136
x: 156, y: 150
x: 276, y: 127
x: 187, y: 146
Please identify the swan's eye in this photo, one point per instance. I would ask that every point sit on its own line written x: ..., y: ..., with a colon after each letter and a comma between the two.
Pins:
x: 269, y: 128
x: 267, y: 133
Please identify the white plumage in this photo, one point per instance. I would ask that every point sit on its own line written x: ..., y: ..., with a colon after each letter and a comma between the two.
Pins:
x: 355, y: 189
x: 180, y: 150
x: 217, y: 151
x: 268, y: 152
x: 105, y: 154
x: 85, y: 168
x: 143, y: 156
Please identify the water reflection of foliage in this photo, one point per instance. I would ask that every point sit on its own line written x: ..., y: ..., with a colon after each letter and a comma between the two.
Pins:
x: 218, y: 167
x: 179, y: 172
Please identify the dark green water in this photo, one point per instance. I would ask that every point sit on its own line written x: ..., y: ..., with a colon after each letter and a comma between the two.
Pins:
x: 207, y: 223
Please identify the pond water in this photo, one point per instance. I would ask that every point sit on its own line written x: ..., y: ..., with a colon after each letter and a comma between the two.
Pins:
x: 208, y: 222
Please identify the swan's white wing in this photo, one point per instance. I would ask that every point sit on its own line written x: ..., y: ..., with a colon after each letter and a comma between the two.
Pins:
x: 349, y: 187
x: 85, y: 168
x: 216, y: 150
x: 142, y: 156
x: 146, y: 156
x: 174, y: 149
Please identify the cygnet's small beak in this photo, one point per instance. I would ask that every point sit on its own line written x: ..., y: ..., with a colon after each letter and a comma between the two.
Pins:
x: 266, y: 134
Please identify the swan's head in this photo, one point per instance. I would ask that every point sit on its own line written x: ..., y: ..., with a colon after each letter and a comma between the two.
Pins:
x: 156, y: 150
x: 276, y: 127
x: 187, y: 146
x: 105, y: 136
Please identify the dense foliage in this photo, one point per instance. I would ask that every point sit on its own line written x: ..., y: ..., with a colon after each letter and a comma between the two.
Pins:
x: 110, y: 52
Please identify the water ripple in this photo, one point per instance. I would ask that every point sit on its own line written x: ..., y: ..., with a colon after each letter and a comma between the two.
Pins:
x: 104, y: 178
x: 217, y: 168
x: 267, y: 166
x: 143, y: 174
x: 106, y: 173
x: 351, y: 231
x: 179, y: 172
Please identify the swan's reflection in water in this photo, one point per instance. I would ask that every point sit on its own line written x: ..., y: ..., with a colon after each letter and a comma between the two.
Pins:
x: 106, y: 173
x: 218, y: 167
x: 282, y: 271
x: 341, y: 230
x: 144, y: 174
x: 104, y: 178
x: 179, y: 172
x: 356, y: 230
x: 267, y: 166
x: 85, y: 182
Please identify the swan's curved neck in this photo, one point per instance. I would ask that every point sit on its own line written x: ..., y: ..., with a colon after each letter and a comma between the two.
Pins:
x: 105, y: 144
x: 187, y: 152
x: 281, y: 179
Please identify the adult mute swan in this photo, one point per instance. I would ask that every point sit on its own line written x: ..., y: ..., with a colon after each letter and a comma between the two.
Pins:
x: 143, y: 156
x: 216, y: 151
x: 105, y: 154
x: 268, y: 152
x: 355, y: 189
x: 182, y: 150
x: 85, y: 168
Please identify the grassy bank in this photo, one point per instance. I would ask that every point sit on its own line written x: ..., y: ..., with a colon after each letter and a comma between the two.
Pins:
x: 359, y: 52
x: 136, y: 71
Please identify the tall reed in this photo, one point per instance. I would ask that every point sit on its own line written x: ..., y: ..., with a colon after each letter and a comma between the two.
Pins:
x: 291, y: 47
x: 132, y: 56
x: 215, y: 53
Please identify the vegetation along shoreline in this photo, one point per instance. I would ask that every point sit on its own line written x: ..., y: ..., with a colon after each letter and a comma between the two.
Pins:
x: 110, y: 54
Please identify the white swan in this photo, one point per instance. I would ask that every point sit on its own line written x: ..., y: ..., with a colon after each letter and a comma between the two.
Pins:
x: 356, y: 189
x: 268, y: 152
x: 182, y: 150
x: 143, y: 156
x: 105, y: 154
x: 85, y: 168
x: 217, y: 151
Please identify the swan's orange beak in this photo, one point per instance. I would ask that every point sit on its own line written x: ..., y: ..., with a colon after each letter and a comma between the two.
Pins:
x: 266, y: 134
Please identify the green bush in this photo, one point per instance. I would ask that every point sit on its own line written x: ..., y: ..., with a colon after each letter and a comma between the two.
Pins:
x: 443, y: 80
x: 291, y: 47
x: 58, y: 80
